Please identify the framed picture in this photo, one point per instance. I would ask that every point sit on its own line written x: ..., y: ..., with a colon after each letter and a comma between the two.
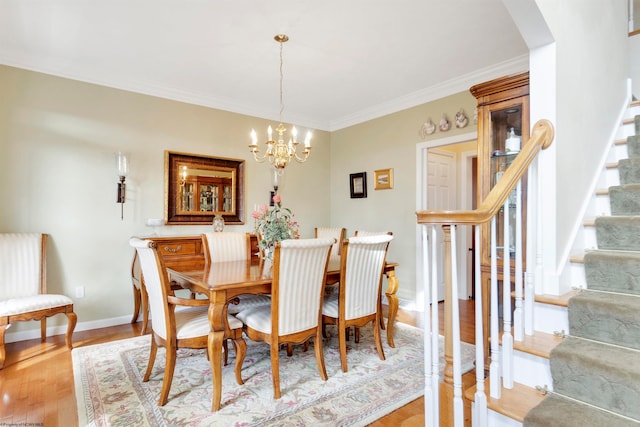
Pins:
x: 383, y: 179
x: 358, y: 185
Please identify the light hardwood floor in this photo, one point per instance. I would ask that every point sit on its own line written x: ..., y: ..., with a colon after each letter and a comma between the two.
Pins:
x: 37, y: 388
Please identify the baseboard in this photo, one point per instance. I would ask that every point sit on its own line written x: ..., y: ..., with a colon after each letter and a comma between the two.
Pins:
x: 62, y: 329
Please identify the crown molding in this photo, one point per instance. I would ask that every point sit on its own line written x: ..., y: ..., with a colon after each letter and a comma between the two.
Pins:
x: 102, y: 78
x: 449, y: 87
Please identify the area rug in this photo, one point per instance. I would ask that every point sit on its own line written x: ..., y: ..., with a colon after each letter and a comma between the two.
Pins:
x: 110, y: 391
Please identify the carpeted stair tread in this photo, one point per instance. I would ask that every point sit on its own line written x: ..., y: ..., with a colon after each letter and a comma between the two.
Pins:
x: 618, y: 232
x: 556, y: 410
x: 599, y: 374
x: 633, y: 146
x: 606, y: 317
x: 617, y: 271
x: 629, y: 170
x: 624, y: 199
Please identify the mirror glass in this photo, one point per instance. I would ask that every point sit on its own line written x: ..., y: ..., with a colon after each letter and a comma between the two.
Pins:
x: 199, y: 187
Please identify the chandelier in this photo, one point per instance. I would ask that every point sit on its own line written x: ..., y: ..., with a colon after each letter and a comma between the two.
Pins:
x: 280, y: 153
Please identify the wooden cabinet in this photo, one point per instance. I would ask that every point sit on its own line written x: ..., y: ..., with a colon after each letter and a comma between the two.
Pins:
x: 503, y: 126
x: 182, y: 251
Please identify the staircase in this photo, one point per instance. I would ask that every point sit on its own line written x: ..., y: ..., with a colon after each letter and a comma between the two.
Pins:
x: 596, y: 369
x: 587, y: 373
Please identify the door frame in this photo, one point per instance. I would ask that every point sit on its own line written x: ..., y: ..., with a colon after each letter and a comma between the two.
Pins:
x: 422, y: 149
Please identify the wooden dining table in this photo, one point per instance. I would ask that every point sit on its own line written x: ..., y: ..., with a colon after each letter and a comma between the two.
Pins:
x: 221, y: 282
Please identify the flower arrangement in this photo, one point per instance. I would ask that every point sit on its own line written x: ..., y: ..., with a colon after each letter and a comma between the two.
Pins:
x: 274, y: 225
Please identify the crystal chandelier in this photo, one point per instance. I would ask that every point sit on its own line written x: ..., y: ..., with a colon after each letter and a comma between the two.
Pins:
x: 280, y: 153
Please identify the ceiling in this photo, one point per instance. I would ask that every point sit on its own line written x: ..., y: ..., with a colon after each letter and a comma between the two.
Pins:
x: 346, y: 61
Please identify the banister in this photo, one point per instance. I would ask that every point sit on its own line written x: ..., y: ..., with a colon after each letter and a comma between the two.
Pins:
x: 541, y: 138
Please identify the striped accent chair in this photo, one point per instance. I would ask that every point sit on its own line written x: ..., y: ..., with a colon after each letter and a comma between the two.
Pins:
x: 23, y: 286
x: 357, y: 301
x: 299, y: 270
x: 177, y: 322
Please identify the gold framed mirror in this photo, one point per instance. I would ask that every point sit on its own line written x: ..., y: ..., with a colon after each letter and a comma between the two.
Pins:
x: 197, y: 188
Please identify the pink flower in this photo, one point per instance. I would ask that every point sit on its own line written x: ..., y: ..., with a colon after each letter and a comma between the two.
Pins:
x: 256, y: 215
x: 264, y: 208
x: 276, y: 198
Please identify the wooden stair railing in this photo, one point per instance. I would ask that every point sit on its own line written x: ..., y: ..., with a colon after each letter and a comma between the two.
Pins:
x: 447, y: 398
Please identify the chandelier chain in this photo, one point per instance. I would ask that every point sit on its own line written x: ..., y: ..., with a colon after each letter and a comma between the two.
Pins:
x: 281, y: 79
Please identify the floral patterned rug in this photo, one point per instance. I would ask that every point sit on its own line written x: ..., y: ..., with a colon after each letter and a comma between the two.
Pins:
x: 110, y: 391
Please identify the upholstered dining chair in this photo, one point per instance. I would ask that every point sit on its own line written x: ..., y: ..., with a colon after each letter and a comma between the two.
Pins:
x: 140, y: 297
x: 293, y: 317
x: 23, y: 286
x: 336, y: 233
x: 232, y: 246
x: 357, y: 301
x: 375, y: 233
x: 187, y: 327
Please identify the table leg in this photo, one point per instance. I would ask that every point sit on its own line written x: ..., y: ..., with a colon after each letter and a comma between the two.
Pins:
x: 214, y: 343
x: 392, y: 299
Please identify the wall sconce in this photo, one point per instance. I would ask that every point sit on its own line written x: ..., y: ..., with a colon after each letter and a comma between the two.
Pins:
x: 122, y: 167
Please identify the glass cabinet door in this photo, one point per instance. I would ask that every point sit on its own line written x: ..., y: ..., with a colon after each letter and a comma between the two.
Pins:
x: 505, y: 137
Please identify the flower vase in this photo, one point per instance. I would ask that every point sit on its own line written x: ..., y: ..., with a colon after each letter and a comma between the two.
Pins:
x: 267, y: 253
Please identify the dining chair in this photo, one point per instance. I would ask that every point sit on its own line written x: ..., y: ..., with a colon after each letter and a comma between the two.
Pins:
x: 332, y: 233
x: 374, y: 233
x: 23, y: 286
x: 357, y: 301
x: 140, y: 297
x: 232, y: 246
x: 173, y: 328
x: 293, y: 317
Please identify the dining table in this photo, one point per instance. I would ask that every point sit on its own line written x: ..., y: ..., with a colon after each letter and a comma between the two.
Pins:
x: 222, y: 282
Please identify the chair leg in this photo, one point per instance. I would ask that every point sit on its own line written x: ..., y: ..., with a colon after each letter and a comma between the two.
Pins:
x: 225, y: 349
x: 43, y: 329
x: 72, y: 319
x: 382, y: 325
x: 136, y: 304
x: 320, y: 355
x: 275, y: 370
x: 241, y: 350
x: 152, y: 359
x: 3, y: 328
x: 169, y: 367
x: 342, y: 340
x: 144, y: 306
x: 378, y: 338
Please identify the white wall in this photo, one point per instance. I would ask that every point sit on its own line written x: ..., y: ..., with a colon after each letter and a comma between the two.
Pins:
x: 389, y: 142
x: 591, y: 80
x: 634, y: 64
x: 57, y: 173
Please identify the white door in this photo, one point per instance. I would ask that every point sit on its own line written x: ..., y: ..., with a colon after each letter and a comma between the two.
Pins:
x: 441, y: 195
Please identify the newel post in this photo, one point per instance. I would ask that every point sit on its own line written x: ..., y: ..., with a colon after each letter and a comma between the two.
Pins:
x: 446, y: 386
